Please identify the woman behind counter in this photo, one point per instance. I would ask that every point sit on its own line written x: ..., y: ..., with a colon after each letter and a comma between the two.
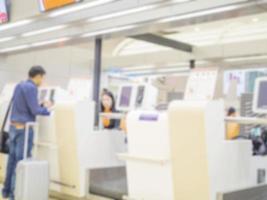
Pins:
x: 232, y: 128
x: 108, y: 106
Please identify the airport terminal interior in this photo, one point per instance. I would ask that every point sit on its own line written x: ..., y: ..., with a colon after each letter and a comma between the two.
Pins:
x: 152, y: 99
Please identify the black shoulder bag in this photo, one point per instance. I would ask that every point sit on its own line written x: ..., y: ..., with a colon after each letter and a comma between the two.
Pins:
x: 4, y: 148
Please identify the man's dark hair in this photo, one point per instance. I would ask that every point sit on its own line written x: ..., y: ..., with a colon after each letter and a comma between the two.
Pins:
x: 36, y: 70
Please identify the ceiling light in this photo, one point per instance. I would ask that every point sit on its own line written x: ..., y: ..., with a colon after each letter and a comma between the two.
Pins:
x: 197, y: 29
x: 199, y: 13
x: 46, y: 30
x: 122, y: 13
x: 15, y: 24
x: 111, y: 30
x: 181, y: 65
x: 16, y: 48
x: 255, y: 19
x: 6, y: 39
x: 175, y: 65
x: 145, y: 67
x: 161, y: 70
x: 177, y: 69
x: 43, y: 43
x: 238, y: 59
x: 130, y: 11
x: 180, y: 1
x: 140, y: 72
x: 79, y: 7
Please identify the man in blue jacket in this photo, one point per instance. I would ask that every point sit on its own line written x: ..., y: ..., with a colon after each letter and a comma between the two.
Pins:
x: 25, y: 108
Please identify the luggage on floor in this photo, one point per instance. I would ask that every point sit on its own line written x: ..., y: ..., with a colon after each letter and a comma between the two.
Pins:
x: 32, y: 176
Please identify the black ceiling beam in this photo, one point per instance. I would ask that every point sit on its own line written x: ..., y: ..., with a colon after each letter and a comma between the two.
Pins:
x: 162, y: 41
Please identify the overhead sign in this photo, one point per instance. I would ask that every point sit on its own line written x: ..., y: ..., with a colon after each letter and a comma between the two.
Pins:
x: 3, y: 12
x: 46, y: 5
x: 201, y: 84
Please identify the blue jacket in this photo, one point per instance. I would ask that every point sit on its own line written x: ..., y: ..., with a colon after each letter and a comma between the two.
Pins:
x: 25, y: 106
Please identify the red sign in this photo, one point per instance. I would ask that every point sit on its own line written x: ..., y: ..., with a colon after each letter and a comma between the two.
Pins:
x: 3, y: 12
x: 3, y: 17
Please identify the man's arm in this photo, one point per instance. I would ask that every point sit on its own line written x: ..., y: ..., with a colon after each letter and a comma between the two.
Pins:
x: 31, y: 96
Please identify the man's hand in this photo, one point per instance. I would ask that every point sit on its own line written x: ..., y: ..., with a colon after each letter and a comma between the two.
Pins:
x: 48, y: 104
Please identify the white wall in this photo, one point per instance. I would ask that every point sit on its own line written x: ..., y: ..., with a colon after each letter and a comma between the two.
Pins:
x: 23, y: 9
x: 61, y: 64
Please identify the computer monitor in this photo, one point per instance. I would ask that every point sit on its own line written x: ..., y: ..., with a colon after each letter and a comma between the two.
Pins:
x: 136, y: 96
x: 140, y: 96
x: 47, y: 94
x: 125, y: 98
x: 260, y: 96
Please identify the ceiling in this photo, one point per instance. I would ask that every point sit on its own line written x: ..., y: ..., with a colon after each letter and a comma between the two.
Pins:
x: 113, y: 18
x: 242, y: 29
x: 233, y: 37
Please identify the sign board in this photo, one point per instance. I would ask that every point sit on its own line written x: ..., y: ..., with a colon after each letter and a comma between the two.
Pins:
x: 46, y: 5
x: 3, y: 12
x: 201, y: 84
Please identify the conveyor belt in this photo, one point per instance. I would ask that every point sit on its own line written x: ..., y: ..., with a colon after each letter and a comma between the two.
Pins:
x: 253, y: 193
x: 109, y: 182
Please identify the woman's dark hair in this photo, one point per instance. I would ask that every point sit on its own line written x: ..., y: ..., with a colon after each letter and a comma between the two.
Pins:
x: 114, y: 123
x: 36, y: 70
x: 108, y: 93
x: 231, y: 111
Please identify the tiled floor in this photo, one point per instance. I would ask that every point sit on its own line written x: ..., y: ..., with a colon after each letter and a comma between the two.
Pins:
x: 7, y: 199
x: 91, y: 197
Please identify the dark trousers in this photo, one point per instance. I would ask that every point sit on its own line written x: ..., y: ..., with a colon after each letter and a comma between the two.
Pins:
x: 16, y: 149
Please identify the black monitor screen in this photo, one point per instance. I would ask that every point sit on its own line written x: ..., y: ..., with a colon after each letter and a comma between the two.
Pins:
x: 140, y: 96
x: 125, y: 97
x: 262, y: 95
x: 52, y: 96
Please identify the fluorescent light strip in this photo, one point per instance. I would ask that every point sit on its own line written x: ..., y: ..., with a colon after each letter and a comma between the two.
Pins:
x: 46, y: 30
x: 157, y: 70
x: 156, y: 75
x: 16, y: 48
x: 43, y: 43
x: 15, y: 25
x: 238, y: 59
x: 37, y: 44
x: 173, y: 66
x: 79, y: 7
x: 136, y: 68
x: 131, y: 11
x: 200, y: 13
x: 152, y: 67
x: 148, y: 72
x: 111, y: 30
x: 6, y: 39
x: 140, y: 72
x: 178, y: 69
x: 122, y: 13
x: 180, y: 1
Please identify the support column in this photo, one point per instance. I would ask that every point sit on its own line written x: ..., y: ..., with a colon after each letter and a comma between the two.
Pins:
x: 192, y: 64
x: 97, y: 78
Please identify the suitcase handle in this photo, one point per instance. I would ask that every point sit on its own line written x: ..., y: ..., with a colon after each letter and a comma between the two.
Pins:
x: 29, y: 125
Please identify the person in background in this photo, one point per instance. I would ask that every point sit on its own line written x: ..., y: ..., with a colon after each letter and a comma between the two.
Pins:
x: 108, y: 106
x: 232, y: 128
x: 25, y: 108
